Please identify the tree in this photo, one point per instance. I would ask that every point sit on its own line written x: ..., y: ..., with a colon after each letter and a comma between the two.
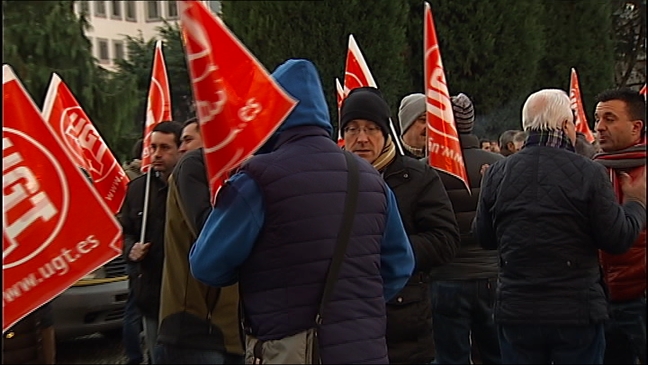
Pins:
x: 319, y: 30
x: 42, y: 37
x: 139, y: 66
x: 489, y: 51
x: 629, y: 21
x: 578, y: 34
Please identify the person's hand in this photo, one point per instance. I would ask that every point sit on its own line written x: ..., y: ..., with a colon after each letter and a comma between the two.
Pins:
x: 634, y: 189
x: 483, y: 169
x: 139, y: 251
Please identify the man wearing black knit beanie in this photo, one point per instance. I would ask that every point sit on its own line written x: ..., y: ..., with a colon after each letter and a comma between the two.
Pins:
x: 427, y: 216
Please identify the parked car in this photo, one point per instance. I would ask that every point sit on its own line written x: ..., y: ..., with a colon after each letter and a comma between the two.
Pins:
x: 93, y: 304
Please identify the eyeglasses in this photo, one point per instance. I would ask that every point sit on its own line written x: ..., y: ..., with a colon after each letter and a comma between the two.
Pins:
x: 354, y: 131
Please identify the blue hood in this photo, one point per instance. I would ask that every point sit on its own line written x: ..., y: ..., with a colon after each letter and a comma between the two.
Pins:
x: 299, y: 78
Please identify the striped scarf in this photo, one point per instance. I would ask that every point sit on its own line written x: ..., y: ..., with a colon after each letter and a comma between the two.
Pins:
x: 620, y: 161
x: 386, y: 155
x: 551, y: 138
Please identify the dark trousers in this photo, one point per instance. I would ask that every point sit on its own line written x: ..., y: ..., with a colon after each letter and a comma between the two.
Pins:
x: 462, y: 316
x: 546, y: 344
x: 131, y: 331
x: 625, y: 333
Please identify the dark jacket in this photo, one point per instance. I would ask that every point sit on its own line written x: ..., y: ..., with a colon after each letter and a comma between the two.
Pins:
x: 432, y: 230
x: 193, y: 315
x: 23, y: 342
x: 275, y: 225
x: 472, y: 261
x: 146, y: 279
x: 548, y: 211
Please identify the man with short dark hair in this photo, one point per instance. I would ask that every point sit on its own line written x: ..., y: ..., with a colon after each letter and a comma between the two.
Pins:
x: 485, y: 144
x: 149, y: 255
x: 191, y: 138
x: 621, y: 130
x: 198, y: 323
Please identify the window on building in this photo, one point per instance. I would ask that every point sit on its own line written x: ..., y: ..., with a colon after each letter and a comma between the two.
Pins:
x: 118, y: 50
x: 84, y: 8
x: 172, y: 10
x: 100, y: 8
x: 103, y: 53
x: 152, y: 10
x: 116, y: 9
x: 131, y: 11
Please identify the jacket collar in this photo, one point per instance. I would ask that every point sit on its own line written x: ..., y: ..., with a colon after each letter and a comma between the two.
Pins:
x: 468, y: 141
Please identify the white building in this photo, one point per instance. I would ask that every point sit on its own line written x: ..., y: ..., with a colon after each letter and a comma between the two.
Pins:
x: 111, y: 21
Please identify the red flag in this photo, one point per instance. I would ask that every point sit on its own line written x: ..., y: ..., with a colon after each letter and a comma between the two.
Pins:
x: 577, y: 107
x: 340, y: 97
x: 84, y: 144
x: 239, y: 104
x: 643, y: 90
x: 158, y: 106
x: 444, y: 147
x: 55, y: 227
x: 357, y: 74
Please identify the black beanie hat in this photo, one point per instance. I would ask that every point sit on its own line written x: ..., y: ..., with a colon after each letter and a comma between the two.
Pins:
x: 365, y: 103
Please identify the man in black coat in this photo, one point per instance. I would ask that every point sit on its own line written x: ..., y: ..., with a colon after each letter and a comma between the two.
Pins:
x: 427, y: 217
x: 146, y: 281
x: 547, y: 210
x: 463, y: 290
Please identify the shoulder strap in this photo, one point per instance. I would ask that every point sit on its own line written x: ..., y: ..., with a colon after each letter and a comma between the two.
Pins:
x: 350, y: 204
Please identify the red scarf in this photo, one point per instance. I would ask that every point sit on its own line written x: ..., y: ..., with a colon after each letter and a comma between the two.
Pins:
x: 622, y: 161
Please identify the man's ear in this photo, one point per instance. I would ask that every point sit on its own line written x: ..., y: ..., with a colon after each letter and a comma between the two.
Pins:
x: 637, y: 127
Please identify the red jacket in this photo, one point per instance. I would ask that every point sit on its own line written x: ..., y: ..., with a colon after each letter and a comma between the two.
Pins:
x: 625, y: 274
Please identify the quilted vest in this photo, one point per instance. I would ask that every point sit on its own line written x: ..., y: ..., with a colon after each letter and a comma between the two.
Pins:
x: 303, y: 183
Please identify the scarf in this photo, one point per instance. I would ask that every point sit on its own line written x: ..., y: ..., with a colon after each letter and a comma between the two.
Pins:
x: 628, y: 158
x: 555, y: 138
x: 418, y: 152
x: 386, y: 155
x: 618, y: 161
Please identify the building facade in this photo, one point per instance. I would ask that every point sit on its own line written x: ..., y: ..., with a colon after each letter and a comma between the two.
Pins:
x: 112, y: 21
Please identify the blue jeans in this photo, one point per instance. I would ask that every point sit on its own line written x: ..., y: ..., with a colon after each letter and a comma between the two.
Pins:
x: 131, y: 331
x: 625, y: 333
x: 180, y: 355
x: 462, y: 311
x: 546, y: 344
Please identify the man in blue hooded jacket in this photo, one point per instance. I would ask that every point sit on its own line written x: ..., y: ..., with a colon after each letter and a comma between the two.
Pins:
x: 274, y: 230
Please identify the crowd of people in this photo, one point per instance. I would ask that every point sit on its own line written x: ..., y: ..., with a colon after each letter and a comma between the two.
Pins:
x: 541, y: 260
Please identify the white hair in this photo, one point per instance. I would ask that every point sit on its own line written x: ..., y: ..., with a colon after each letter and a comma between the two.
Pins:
x: 546, y: 109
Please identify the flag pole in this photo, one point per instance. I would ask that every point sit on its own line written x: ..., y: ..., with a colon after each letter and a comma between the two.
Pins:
x: 147, y: 190
x: 396, y: 138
